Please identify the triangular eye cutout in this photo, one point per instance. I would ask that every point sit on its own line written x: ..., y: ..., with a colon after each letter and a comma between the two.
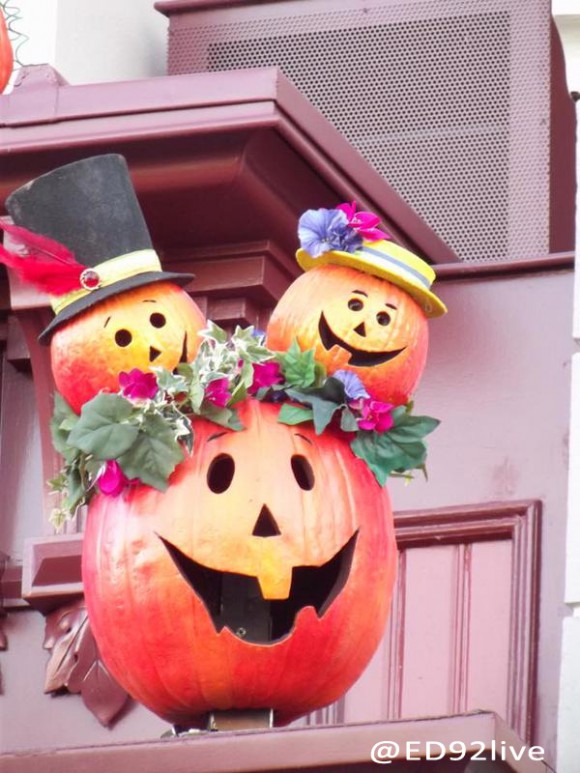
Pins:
x: 266, y: 525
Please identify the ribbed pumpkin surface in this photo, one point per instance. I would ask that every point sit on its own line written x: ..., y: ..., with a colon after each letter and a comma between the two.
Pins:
x: 154, y: 632
x: 370, y: 316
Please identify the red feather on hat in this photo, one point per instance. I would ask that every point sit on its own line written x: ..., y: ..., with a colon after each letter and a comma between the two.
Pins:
x: 45, y: 263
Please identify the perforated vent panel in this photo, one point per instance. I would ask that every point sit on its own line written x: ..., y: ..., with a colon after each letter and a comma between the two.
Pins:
x: 449, y: 100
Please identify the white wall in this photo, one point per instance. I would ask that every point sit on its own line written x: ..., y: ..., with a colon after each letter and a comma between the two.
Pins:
x: 569, y: 703
x: 91, y: 42
x: 567, y: 17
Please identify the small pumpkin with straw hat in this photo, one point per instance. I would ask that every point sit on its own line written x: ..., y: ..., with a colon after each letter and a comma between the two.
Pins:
x: 362, y: 304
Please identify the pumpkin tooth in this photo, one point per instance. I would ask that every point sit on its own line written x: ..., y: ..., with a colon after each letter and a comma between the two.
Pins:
x: 263, y: 609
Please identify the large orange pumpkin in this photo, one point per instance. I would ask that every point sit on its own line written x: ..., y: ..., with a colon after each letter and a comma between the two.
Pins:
x: 154, y: 325
x: 6, y: 55
x: 355, y: 321
x: 261, y: 578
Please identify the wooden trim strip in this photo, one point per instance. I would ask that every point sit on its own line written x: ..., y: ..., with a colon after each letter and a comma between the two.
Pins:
x: 463, y: 270
x: 345, y: 748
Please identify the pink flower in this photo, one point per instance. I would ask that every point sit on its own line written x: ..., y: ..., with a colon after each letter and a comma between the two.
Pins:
x: 364, y: 223
x: 137, y: 385
x: 217, y: 392
x: 266, y: 374
x: 375, y: 415
x: 112, y: 480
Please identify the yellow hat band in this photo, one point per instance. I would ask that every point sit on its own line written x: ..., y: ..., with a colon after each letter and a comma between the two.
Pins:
x: 107, y: 273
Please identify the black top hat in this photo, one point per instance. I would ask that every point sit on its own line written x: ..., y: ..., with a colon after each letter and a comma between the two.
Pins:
x: 91, y: 208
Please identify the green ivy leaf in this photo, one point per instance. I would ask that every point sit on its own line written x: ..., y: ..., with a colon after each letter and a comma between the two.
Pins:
x: 102, y: 429
x: 348, y: 422
x: 299, y: 368
x: 400, y: 449
x: 173, y: 384
x: 153, y: 455
x: 294, y: 414
x: 383, y: 456
x: 225, y: 417
x: 63, y: 421
x: 76, y: 490
x: 196, y: 395
x: 408, y: 428
x: 214, y: 332
x: 249, y: 346
x: 333, y: 390
x: 322, y: 410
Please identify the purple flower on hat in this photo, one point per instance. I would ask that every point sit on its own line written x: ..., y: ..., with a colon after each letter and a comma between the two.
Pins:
x: 353, y: 387
x: 137, y: 385
x: 364, y: 223
x: 322, y: 230
x: 217, y: 392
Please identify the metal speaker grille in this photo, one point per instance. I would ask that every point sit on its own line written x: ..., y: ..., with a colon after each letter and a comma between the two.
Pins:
x: 448, y: 99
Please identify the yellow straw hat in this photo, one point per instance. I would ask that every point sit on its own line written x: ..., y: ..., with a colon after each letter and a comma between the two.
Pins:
x: 386, y: 260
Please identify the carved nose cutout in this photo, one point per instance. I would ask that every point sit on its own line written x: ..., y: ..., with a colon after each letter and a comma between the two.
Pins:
x: 153, y: 353
x: 266, y: 525
x: 361, y: 330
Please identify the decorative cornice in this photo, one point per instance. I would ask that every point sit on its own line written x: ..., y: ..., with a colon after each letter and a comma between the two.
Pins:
x: 76, y: 666
x: 560, y: 261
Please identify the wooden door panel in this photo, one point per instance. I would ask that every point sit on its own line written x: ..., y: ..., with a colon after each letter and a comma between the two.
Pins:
x: 462, y: 632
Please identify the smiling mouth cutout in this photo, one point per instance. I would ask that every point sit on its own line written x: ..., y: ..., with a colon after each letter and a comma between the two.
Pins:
x: 362, y: 358
x: 235, y: 600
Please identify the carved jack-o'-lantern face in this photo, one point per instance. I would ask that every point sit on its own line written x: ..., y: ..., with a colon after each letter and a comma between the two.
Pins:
x: 272, y: 550
x: 355, y: 321
x: 154, y: 325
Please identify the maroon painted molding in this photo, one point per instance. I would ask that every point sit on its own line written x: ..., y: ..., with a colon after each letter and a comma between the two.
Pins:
x: 559, y: 261
x: 342, y: 749
x: 168, y: 7
x: 518, y: 522
x: 245, y: 140
x: 75, y: 664
x: 563, y: 151
x: 51, y: 570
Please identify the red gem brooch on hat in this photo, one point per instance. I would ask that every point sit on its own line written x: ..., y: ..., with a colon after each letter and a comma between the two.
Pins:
x: 90, y: 280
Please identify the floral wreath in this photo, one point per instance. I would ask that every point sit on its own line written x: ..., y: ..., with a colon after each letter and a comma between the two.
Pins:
x: 140, y: 434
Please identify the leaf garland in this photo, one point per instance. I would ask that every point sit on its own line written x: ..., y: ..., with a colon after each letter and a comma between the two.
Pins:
x: 148, y: 437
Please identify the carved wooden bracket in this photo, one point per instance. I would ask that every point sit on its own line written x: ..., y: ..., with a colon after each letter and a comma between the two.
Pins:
x: 75, y: 665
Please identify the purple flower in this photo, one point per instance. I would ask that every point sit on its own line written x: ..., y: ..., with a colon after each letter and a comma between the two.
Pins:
x: 364, y: 223
x: 353, y: 387
x: 137, y: 385
x: 112, y: 480
x: 217, y: 392
x: 375, y: 415
x: 321, y: 230
x: 266, y: 374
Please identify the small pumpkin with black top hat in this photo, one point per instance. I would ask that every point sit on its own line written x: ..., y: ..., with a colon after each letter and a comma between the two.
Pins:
x: 82, y: 238
x: 362, y: 304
